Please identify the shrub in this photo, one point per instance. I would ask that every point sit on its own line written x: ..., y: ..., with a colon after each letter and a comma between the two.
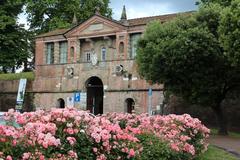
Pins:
x: 72, y: 134
x: 154, y: 147
x: 17, y: 76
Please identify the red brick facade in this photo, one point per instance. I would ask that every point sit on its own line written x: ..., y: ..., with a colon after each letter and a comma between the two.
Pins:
x: 85, y: 40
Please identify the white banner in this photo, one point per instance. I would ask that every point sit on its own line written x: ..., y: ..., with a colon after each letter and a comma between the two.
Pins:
x: 20, y: 95
x: 21, y: 90
x: 70, y: 101
x: 83, y: 100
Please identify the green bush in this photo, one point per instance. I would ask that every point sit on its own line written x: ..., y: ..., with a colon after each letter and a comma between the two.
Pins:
x: 16, y: 76
x: 153, y: 147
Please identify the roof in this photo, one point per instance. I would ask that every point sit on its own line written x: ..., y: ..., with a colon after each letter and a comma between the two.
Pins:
x: 54, y: 33
x: 130, y: 22
x: 145, y: 20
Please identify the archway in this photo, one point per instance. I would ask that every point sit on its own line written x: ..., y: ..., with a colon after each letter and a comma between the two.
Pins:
x: 61, y: 103
x: 129, y: 105
x: 94, y: 87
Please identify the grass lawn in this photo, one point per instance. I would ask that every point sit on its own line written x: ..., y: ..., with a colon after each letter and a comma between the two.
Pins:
x: 214, y: 153
x: 16, y: 76
x: 214, y: 131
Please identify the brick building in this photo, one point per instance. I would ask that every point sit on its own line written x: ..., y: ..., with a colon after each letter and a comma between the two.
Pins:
x: 96, y: 60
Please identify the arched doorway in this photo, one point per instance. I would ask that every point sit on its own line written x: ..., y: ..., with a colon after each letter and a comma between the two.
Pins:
x: 129, y: 105
x: 61, y: 103
x: 94, y: 87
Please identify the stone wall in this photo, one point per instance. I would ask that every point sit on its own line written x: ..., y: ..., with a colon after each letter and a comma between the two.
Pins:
x: 52, y: 83
x: 8, y: 95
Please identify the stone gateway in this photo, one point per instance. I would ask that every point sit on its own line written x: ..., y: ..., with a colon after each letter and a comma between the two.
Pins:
x: 96, y: 59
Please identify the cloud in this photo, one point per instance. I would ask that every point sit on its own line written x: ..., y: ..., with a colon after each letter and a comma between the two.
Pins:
x: 143, y: 8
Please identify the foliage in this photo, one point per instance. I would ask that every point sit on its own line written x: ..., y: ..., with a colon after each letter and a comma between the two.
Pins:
x: 181, y: 59
x: 154, y: 147
x: 183, y: 134
x: 16, y: 76
x: 71, y: 134
x: 17, y: 44
x: 195, y: 57
x: 52, y: 14
x: 209, y: 16
x: 221, y: 2
x: 13, y: 38
x: 229, y: 30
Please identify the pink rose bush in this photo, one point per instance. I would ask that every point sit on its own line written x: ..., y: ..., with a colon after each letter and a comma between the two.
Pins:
x: 69, y: 134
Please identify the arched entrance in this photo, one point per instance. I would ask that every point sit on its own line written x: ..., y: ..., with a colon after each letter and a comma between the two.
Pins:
x: 129, y: 105
x: 61, y: 103
x: 94, y: 87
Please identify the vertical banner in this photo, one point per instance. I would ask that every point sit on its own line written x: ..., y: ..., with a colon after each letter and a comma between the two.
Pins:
x: 70, y: 101
x: 150, y: 101
x: 83, y: 100
x: 20, y: 95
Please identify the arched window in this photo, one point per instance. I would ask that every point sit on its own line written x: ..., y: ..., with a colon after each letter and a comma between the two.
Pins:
x: 72, y: 53
x: 103, y: 54
x: 121, y: 47
x: 60, y: 103
x: 129, y: 105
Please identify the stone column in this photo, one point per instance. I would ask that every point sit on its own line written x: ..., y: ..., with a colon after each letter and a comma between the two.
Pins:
x: 56, y: 52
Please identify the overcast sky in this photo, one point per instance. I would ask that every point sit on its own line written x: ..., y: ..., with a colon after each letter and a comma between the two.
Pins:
x: 143, y: 8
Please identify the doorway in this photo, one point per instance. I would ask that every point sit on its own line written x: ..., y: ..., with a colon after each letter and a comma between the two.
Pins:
x: 129, y: 105
x: 61, y: 103
x: 94, y: 87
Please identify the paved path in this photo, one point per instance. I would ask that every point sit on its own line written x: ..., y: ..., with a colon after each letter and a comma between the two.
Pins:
x: 227, y: 143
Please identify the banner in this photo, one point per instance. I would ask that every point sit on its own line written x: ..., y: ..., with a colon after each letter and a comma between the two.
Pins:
x: 83, y: 100
x: 70, y: 101
x: 21, y: 92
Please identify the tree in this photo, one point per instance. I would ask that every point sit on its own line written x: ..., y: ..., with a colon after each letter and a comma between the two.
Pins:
x: 221, y: 2
x: 187, y: 56
x: 47, y: 15
x: 229, y: 30
x: 13, y: 39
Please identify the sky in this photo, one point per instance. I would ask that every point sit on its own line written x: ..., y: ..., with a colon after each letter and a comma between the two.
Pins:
x: 142, y: 8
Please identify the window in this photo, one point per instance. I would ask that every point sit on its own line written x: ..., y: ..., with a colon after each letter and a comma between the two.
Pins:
x: 63, y: 52
x: 88, y: 56
x: 121, y: 47
x: 103, y: 53
x: 133, y: 43
x: 72, y: 53
x: 49, y: 53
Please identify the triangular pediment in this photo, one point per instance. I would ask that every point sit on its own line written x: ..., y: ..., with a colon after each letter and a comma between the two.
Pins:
x: 95, y: 25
